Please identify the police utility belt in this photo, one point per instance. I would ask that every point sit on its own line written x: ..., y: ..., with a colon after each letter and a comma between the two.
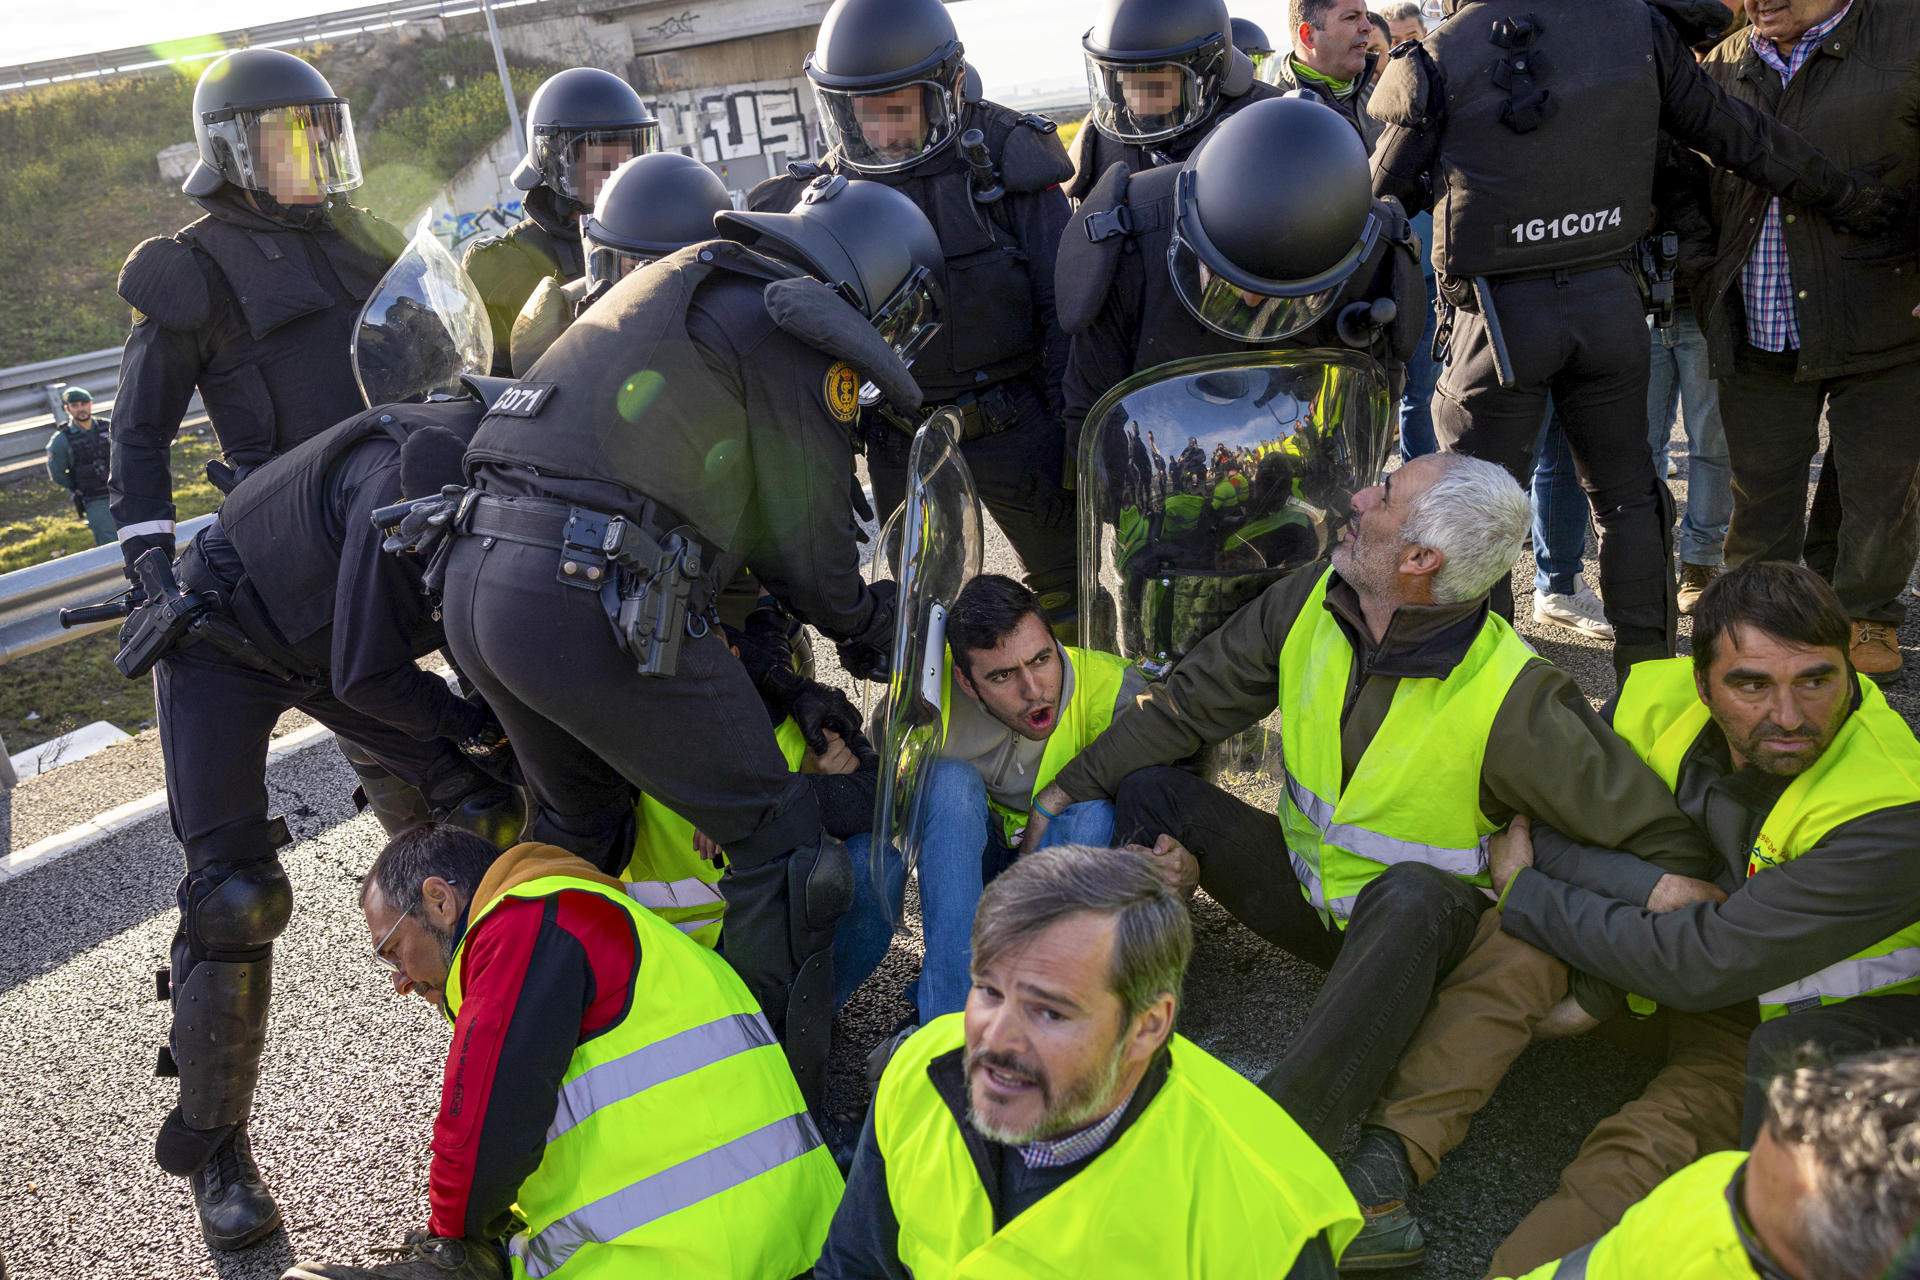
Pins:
x: 650, y: 573
x: 187, y: 604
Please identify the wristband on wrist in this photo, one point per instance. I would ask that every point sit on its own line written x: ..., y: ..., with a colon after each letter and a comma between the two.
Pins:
x: 1045, y: 812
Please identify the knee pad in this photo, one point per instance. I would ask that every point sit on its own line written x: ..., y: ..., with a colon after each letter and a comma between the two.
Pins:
x: 496, y: 813
x: 232, y: 914
x: 819, y: 892
x: 602, y: 836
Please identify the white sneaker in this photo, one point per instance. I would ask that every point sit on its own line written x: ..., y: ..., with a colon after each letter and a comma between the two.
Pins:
x: 1581, y: 611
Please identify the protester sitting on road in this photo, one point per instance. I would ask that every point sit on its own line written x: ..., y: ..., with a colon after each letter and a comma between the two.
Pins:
x: 1415, y: 723
x: 1027, y: 704
x: 1831, y: 1190
x: 1807, y: 784
x: 77, y: 457
x: 1060, y: 1127
x: 612, y: 1085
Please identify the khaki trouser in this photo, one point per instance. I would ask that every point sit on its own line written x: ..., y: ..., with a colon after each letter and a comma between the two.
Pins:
x: 1483, y: 1017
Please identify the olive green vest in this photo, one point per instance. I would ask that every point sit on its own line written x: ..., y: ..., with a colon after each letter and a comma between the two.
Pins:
x: 680, y: 1143
x: 1415, y: 795
x: 1873, y: 763
x: 668, y: 876
x: 1211, y: 1179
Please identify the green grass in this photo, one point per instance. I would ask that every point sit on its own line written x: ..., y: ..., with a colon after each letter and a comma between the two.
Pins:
x: 82, y: 186
x: 76, y: 683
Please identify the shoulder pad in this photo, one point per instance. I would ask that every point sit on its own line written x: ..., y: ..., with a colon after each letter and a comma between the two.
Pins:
x: 1033, y: 158
x: 1407, y: 89
x: 822, y: 319
x: 781, y: 192
x: 1090, y: 249
x: 1395, y: 225
x: 478, y: 247
x: 545, y: 316
x: 1083, y: 153
x: 162, y: 280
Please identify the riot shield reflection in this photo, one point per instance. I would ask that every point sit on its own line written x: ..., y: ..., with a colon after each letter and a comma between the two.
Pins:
x: 422, y: 328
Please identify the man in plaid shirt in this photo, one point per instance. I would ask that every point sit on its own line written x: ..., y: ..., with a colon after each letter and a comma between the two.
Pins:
x: 1805, y: 319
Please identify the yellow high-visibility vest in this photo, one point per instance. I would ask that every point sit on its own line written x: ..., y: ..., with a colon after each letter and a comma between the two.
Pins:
x: 1212, y: 1179
x: 668, y: 876
x: 1873, y: 763
x: 680, y: 1144
x: 1415, y: 795
x: 1683, y: 1230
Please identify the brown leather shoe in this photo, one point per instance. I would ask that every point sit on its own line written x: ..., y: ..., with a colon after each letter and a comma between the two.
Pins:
x: 1875, y: 651
x: 1693, y: 581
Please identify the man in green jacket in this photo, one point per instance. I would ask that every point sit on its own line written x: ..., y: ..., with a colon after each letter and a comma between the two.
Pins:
x: 77, y: 456
x: 1415, y: 724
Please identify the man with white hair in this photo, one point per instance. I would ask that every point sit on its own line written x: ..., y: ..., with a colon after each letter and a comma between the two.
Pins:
x: 1414, y: 726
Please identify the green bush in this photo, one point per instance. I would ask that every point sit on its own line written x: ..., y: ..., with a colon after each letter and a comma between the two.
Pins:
x: 83, y: 188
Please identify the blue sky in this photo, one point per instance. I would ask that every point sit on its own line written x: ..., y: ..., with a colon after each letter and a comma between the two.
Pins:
x: 1015, y: 43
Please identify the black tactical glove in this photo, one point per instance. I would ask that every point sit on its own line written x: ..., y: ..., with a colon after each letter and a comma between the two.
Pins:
x: 813, y: 706
x: 869, y: 655
x: 765, y: 642
x: 131, y: 549
x: 1870, y: 208
x: 422, y: 529
x: 486, y: 744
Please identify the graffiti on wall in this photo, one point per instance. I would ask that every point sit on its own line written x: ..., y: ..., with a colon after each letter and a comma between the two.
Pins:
x: 455, y: 229
x: 737, y: 121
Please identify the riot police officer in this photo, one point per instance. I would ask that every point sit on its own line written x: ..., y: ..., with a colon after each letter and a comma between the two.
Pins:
x: 1265, y: 237
x: 892, y: 83
x: 652, y: 205
x: 700, y: 416
x: 294, y: 605
x: 581, y: 125
x: 1531, y: 130
x: 1164, y: 72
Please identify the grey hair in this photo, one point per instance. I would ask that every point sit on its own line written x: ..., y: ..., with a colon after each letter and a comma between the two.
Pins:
x: 459, y: 857
x: 1474, y: 514
x: 1153, y: 934
x: 1401, y: 10
x: 1859, y: 1121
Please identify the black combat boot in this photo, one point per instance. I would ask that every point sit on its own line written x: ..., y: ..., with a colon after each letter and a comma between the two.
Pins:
x: 236, y: 1209
x: 424, y: 1257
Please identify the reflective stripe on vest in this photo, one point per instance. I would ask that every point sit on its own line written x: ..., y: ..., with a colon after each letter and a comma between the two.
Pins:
x: 678, y: 1132
x: 1415, y: 794
x: 706, y: 1175
x: 1683, y: 1230
x: 1873, y: 763
x: 667, y: 875
x: 1097, y: 678
x: 1149, y: 1204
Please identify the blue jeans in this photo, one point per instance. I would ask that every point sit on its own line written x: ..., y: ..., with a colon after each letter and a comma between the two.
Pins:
x: 960, y: 851
x: 1680, y: 384
x: 1560, y: 510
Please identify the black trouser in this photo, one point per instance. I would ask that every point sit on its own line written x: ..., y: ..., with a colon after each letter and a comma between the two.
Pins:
x: 1410, y: 926
x: 1820, y: 1036
x: 1773, y: 432
x: 1581, y: 338
x: 1018, y: 473
x: 587, y: 729
x: 216, y: 717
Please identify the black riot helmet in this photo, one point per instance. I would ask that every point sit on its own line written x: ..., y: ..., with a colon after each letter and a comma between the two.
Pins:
x: 269, y: 123
x: 651, y: 206
x: 870, y: 242
x: 888, y: 76
x: 582, y: 125
x: 1250, y: 39
x: 1272, y: 214
x: 1158, y: 68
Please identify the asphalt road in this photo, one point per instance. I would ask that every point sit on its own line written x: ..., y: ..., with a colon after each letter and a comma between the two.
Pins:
x: 351, y: 1075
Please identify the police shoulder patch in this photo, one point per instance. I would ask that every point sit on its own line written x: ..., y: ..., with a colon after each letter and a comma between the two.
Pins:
x: 842, y: 392
x: 523, y: 399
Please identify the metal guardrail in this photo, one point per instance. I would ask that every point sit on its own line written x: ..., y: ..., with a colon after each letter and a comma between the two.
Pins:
x: 24, y: 389
x: 311, y: 30
x: 31, y: 598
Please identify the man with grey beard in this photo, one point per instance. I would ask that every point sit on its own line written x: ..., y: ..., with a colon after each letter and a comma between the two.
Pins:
x: 1059, y: 1126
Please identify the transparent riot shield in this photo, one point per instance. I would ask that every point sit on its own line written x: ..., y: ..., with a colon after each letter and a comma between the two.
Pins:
x: 931, y: 546
x: 1203, y: 482
x: 423, y: 327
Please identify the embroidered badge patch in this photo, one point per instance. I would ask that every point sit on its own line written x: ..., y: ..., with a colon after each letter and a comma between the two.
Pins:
x: 842, y: 392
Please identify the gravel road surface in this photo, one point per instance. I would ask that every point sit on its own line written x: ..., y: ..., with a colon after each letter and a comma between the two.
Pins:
x: 351, y: 1075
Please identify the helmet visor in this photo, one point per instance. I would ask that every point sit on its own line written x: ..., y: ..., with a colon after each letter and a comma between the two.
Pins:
x: 908, y: 320
x: 608, y: 265
x: 577, y: 162
x: 1146, y: 101
x: 296, y: 154
x: 1256, y: 319
x: 883, y: 131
